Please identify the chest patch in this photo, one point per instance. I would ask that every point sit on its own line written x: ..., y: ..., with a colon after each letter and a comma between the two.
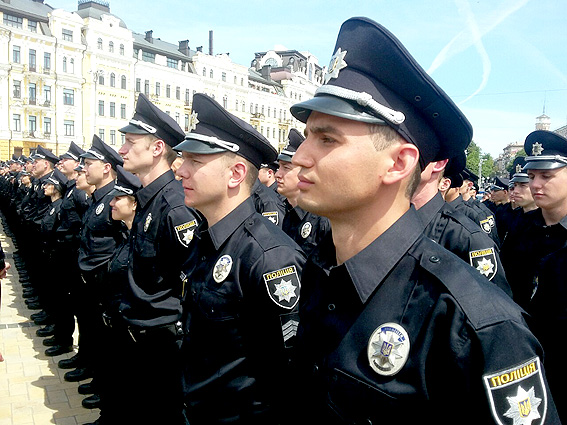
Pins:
x: 99, y: 209
x: 222, y: 268
x: 148, y: 222
x: 184, y: 232
x: 518, y: 394
x: 283, y: 286
x: 388, y: 349
x: 306, y: 230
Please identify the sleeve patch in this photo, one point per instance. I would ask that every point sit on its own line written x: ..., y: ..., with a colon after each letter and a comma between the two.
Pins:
x: 184, y: 232
x: 484, y: 260
x: 283, y: 286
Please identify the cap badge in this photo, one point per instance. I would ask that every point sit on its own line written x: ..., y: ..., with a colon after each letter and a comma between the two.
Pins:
x: 388, y: 349
x: 518, y: 168
x: 336, y: 63
x: 193, y: 121
x: 148, y: 221
x: 537, y: 149
x: 222, y: 268
x: 99, y: 209
x: 306, y: 230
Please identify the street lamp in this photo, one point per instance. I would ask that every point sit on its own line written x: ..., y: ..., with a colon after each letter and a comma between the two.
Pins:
x: 96, y: 75
x: 480, y: 169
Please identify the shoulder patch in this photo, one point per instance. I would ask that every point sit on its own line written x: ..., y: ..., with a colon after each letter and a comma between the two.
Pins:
x: 485, y: 225
x: 484, y: 260
x: 184, y: 232
x: 518, y: 394
x: 272, y: 216
x: 283, y: 286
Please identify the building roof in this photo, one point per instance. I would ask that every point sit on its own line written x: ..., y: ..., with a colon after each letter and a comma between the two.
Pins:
x: 161, y: 47
x: 562, y: 131
x: 95, y: 9
x: 28, y: 8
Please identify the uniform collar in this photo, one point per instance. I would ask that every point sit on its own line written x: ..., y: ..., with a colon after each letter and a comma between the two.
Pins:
x: 145, y: 194
x: 427, y: 212
x: 369, y: 267
x: 222, y: 230
x: 102, y: 192
x: 538, y: 219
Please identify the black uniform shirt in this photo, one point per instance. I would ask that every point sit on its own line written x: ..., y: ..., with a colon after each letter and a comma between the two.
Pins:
x: 49, y: 224
x: 478, y: 213
x: 75, y: 203
x: 456, y: 232
x: 117, y: 276
x: 268, y: 203
x: 159, y: 245
x: 99, y: 231
x: 525, y: 248
x: 242, y: 288
x: 305, y: 228
x: 404, y: 332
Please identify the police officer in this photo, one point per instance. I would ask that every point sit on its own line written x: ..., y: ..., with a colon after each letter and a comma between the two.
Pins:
x: 544, y: 230
x: 97, y: 243
x: 160, y: 242
x: 242, y: 280
x: 393, y: 327
x: 520, y: 194
x: 452, y: 229
x: 305, y: 228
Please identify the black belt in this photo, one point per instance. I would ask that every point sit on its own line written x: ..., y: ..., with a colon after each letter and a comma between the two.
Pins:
x: 137, y: 333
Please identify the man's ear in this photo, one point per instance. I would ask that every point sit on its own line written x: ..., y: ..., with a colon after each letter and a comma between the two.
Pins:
x: 238, y: 171
x: 158, y: 147
x: 405, y: 157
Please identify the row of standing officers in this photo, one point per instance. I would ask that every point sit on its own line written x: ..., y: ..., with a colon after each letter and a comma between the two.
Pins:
x: 213, y: 298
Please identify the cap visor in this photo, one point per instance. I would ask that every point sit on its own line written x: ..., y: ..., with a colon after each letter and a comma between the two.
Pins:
x: 198, y: 146
x: 118, y: 192
x: 130, y: 128
x: 284, y: 157
x: 335, y: 106
x: 543, y: 165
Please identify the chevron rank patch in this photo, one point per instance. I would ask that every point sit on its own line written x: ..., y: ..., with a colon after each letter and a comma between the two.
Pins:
x: 184, y: 232
x: 484, y: 260
x: 518, y: 395
x: 283, y: 286
x: 272, y: 216
x: 290, y: 323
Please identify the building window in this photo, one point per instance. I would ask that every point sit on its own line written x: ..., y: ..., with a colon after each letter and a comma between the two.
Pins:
x: 69, y: 127
x: 225, y: 102
x: 138, y: 84
x: 122, y: 50
x: 158, y: 88
x: 101, y: 108
x: 67, y: 35
x: 13, y: 21
x: 17, y: 122
x: 32, y: 124
x: 236, y: 105
x: 46, y: 61
x: 186, y: 122
x: 46, y: 95
x: 211, y: 73
x: 46, y: 125
x: 113, y: 137
x: 17, y: 88
x: 123, y: 111
x: 111, y: 47
x: 15, y: 53
x: 32, y: 93
x: 99, y: 44
x: 123, y: 82
x: 223, y: 76
x: 204, y: 72
x: 64, y: 64
x: 32, y: 26
x: 172, y: 63
x: 168, y: 91
x: 147, y: 87
x: 32, y: 57
x: 101, y: 133
x: 242, y: 81
x: 112, y: 80
x: 101, y: 79
x: 187, y: 96
x: 243, y: 106
x: 178, y: 93
x: 269, y: 111
x: 112, y: 110
x: 68, y: 97
x: 182, y: 66
x: 135, y: 53
x: 71, y: 66
x: 177, y: 117
x: 148, y: 56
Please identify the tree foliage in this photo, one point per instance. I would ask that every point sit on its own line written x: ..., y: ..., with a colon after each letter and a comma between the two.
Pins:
x: 474, y: 153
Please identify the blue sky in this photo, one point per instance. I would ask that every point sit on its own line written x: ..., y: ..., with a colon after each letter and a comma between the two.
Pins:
x: 501, y: 61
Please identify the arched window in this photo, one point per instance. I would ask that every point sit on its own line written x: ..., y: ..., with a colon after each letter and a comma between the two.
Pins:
x: 225, y: 102
x: 112, y: 80
x: 65, y: 64
x: 71, y: 66
x: 204, y: 72
x: 99, y: 43
x: 211, y: 73
x: 123, y: 82
x: 122, y: 50
x: 101, y: 79
x: 243, y: 106
x: 111, y: 47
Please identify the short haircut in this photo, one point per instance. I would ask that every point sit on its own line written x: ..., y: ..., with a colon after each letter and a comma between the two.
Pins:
x: 251, y: 170
x: 384, y: 136
x: 169, y: 153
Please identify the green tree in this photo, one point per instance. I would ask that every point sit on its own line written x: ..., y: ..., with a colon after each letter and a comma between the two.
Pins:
x: 474, y: 153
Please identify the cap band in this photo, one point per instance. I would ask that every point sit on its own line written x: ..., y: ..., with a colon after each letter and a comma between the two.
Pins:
x: 124, y: 189
x: 232, y: 147
x: 554, y: 158
x: 98, y: 155
x: 363, y: 99
x: 289, y: 153
x: 72, y: 155
x: 143, y: 125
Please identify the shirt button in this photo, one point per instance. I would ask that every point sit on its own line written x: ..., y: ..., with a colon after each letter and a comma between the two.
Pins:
x: 331, y: 307
x: 434, y: 259
x: 203, y: 258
